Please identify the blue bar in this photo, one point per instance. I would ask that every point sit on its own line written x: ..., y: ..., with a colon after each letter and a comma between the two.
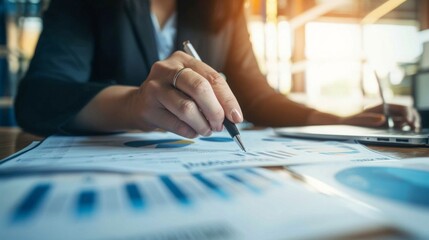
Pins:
x: 86, y: 202
x: 237, y: 179
x: 135, y: 196
x: 214, y: 187
x: 268, y: 154
x: 32, y: 201
x: 175, y: 190
x: 287, y: 154
x: 254, y: 172
x: 252, y: 154
x: 277, y: 154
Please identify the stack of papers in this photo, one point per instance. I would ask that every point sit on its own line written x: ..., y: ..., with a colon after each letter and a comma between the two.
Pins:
x: 166, y: 152
x: 400, y: 190
x: 233, y: 204
x: 161, y: 186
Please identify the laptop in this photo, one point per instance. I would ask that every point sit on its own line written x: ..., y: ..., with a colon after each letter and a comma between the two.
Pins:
x: 361, y: 134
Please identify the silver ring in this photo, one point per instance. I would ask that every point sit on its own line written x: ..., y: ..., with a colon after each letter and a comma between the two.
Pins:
x: 177, y: 75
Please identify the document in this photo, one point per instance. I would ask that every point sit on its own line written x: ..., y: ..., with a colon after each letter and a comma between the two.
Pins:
x: 399, y: 189
x: 245, y: 203
x: 167, y: 152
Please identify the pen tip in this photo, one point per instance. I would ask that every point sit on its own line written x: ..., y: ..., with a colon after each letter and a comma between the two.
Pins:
x: 240, y: 143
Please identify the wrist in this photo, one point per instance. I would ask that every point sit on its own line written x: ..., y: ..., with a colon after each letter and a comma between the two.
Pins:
x: 131, y: 111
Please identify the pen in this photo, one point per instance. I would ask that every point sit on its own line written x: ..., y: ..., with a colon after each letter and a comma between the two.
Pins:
x: 386, y: 113
x: 230, y: 126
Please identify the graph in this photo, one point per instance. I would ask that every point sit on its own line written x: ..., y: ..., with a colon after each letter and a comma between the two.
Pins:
x: 277, y: 139
x: 86, y: 203
x: 162, y: 143
x: 135, y: 197
x: 404, y: 185
x: 32, y: 202
x: 336, y: 150
x: 278, y: 154
x: 139, y: 194
x: 216, y: 139
x: 329, y: 149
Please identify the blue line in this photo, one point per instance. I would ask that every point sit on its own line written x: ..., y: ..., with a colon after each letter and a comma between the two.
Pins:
x: 287, y: 154
x: 217, y: 139
x: 135, y: 196
x: 268, y: 154
x: 32, y: 201
x: 252, y: 171
x: 86, y: 202
x: 211, y: 185
x: 252, y: 154
x: 175, y: 190
x: 243, y: 182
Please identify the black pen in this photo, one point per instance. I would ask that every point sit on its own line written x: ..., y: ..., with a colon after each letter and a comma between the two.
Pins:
x: 230, y: 126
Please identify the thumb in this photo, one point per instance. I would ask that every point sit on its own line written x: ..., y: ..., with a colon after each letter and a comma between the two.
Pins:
x: 366, y: 120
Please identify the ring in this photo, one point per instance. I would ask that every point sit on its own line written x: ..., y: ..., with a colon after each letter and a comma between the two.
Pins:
x: 177, y: 75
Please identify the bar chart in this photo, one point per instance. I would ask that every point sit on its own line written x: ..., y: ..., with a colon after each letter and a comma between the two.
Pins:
x: 166, y: 153
x: 277, y: 154
x: 162, y: 143
x: 87, y: 195
x: 244, y: 203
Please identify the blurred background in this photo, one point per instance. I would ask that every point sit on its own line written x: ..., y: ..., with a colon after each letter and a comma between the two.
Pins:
x: 322, y: 53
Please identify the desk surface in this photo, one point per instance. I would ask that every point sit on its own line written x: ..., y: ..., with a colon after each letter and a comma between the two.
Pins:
x: 13, y: 139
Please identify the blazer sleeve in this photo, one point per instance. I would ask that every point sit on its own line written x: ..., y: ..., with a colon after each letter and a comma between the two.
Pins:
x: 57, y: 85
x: 260, y: 103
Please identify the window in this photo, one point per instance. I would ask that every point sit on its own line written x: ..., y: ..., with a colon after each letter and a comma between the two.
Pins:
x: 342, y: 57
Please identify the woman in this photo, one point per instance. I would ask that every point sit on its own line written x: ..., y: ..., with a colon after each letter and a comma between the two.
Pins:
x: 99, y: 67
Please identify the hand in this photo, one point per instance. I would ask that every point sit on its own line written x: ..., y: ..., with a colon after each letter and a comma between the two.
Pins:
x: 197, y: 105
x: 402, y: 116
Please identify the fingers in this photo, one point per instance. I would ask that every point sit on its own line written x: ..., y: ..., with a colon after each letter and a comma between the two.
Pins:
x: 405, y: 116
x: 417, y: 119
x: 408, y: 121
x: 220, y: 88
x: 185, y: 109
x: 199, y: 89
x: 171, y: 123
x: 200, y: 98
x: 151, y: 114
x: 402, y: 116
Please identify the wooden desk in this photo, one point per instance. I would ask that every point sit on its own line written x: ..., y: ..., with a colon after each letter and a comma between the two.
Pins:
x: 13, y: 139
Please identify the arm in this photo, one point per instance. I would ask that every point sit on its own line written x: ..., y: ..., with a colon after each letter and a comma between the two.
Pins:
x: 264, y: 106
x: 197, y: 104
x: 261, y: 104
x: 66, y: 99
x: 56, y: 86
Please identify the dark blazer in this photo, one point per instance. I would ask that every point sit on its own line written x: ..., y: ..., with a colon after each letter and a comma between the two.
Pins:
x: 88, y: 45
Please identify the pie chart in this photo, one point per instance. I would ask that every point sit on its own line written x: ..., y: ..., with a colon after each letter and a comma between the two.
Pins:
x: 216, y: 139
x: 403, y: 185
x: 276, y: 140
x: 161, y: 143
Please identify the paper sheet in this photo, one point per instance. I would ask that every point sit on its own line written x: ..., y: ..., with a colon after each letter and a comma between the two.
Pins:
x: 166, y: 152
x: 233, y: 204
x: 399, y: 189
